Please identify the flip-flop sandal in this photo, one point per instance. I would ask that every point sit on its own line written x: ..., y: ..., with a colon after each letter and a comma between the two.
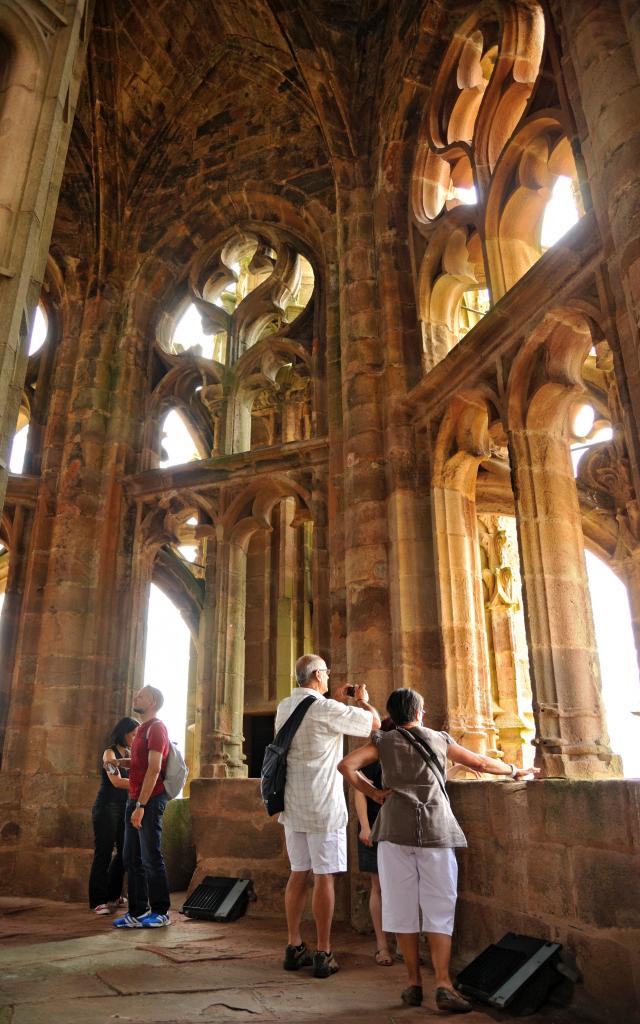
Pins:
x: 452, y: 1002
x: 384, y: 958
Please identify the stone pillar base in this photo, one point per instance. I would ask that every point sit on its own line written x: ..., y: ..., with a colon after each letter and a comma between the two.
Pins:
x: 581, y: 766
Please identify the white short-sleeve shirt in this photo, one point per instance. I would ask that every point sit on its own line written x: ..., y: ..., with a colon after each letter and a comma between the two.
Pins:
x: 314, y: 794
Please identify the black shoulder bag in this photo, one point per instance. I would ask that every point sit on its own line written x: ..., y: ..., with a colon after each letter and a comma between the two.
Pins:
x: 274, y: 764
x: 429, y: 756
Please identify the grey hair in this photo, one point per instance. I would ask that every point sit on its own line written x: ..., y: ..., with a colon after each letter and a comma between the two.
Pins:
x: 158, y: 698
x: 306, y: 666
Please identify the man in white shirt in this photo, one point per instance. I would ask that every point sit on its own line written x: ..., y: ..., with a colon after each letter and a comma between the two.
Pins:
x: 315, y: 810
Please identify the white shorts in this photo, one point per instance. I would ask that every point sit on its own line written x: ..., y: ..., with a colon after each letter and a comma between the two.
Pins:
x: 414, y: 879
x: 324, y: 853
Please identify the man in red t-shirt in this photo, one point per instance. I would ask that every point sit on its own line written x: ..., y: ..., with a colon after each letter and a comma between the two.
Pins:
x: 149, y: 899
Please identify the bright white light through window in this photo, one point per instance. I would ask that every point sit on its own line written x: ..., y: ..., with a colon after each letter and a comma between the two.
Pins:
x: 561, y: 212
x: 618, y: 662
x: 177, y: 441
x: 167, y: 662
x: 583, y: 420
x: 465, y: 195
x: 38, y: 332
x: 188, y: 552
x: 580, y: 447
x: 189, y: 332
x: 18, y: 449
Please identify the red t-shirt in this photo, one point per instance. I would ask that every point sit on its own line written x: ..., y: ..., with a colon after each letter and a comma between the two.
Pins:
x: 151, y: 735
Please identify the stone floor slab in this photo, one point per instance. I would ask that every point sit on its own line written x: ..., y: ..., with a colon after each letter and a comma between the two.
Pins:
x: 74, y: 968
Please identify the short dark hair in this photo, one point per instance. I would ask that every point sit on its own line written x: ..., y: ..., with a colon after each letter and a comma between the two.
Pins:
x: 404, y: 705
x: 121, y: 729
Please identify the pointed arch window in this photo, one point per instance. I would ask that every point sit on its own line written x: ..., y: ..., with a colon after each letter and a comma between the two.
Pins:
x: 493, y: 169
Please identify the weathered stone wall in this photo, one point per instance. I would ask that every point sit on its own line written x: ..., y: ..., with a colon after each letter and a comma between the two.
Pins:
x: 559, y: 860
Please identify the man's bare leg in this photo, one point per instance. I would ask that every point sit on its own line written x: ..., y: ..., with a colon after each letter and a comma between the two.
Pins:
x: 322, y: 904
x: 295, y: 898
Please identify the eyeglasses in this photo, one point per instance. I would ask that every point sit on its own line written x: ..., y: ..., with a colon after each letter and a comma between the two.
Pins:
x: 325, y: 669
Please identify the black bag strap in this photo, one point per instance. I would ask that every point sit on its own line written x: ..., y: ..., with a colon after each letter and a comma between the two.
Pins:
x: 425, y: 751
x: 287, y: 731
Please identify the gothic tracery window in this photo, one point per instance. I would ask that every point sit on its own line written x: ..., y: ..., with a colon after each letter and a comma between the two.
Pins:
x: 494, y: 181
x: 235, y: 355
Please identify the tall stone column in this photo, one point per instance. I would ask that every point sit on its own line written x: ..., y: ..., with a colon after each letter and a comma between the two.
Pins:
x: 221, y: 676
x: 506, y: 639
x: 42, y: 52
x: 365, y: 512
x: 468, y: 683
x: 287, y: 597
x: 567, y: 702
x: 70, y: 679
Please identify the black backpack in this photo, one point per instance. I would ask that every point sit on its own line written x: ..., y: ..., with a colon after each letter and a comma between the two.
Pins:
x: 274, y: 764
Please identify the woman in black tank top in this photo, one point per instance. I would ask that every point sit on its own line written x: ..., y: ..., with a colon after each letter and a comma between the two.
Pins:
x: 107, y: 872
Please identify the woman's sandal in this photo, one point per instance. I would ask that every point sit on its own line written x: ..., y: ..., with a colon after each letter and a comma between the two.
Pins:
x: 384, y: 958
x: 452, y: 1002
x: 412, y: 996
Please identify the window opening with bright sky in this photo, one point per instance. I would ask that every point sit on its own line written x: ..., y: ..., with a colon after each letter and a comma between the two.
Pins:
x: 612, y: 620
x: 167, y: 661
x: 177, y: 444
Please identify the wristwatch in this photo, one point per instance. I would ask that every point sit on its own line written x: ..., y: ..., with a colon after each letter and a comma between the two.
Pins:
x: 138, y: 804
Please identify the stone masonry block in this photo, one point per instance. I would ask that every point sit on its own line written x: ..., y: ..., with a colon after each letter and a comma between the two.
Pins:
x: 607, y: 887
x: 607, y: 969
x: 470, y: 803
x: 550, y: 885
x: 588, y: 813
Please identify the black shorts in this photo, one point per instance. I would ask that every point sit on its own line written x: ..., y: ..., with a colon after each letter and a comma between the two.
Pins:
x: 367, y: 858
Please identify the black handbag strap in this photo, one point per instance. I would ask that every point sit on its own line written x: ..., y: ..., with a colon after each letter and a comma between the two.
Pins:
x: 425, y: 751
x: 287, y: 731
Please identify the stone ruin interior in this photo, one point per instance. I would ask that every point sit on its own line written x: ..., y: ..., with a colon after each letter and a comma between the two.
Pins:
x: 392, y: 361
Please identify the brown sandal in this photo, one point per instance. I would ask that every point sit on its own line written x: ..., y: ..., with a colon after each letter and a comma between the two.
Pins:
x: 412, y: 995
x: 384, y: 958
x: 452, y: 1002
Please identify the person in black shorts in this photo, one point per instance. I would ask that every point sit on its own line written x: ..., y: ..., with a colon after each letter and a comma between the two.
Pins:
x: 367, y: 811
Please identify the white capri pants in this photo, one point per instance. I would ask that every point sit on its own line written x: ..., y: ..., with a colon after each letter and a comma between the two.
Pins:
x: 414, y: 879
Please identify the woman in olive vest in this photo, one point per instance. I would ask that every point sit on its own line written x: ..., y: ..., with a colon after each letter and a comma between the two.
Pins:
x: 417, y: 834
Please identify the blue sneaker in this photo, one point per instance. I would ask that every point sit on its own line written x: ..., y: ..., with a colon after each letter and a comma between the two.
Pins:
x: 128, y: 921
x: 153, y: 920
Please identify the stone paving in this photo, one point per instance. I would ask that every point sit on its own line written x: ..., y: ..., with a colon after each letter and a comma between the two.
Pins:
x: 61, y: 965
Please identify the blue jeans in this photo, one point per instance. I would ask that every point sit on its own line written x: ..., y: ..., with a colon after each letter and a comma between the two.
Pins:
x: 143, y: 860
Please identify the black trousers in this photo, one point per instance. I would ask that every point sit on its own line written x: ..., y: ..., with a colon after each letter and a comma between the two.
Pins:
x: 146, y: 873
x: 107, y: 869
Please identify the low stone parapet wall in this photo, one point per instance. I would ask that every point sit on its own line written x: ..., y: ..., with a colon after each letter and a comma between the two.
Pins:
x: 561, y: 861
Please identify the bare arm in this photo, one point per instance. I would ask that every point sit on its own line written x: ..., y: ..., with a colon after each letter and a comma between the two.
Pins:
x: 151, y: 776
x: 362, y: 700
x: 490, y: 765
x: 116, y: 780
x: 360, y: 758
x: 360, y: 801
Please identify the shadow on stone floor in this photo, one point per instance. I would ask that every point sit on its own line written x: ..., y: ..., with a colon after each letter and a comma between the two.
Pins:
x: 61, y: 965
